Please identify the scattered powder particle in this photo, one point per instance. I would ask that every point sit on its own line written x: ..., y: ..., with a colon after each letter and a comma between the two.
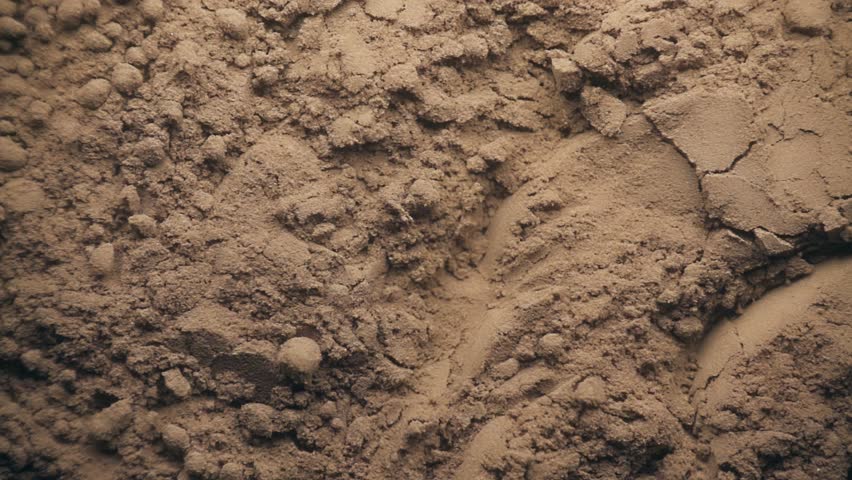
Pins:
x: 107, y: 424
x: 232, y: 22
x: 568, y: 76
x: 152, y: 10
x: 301, y: 355
x: 551, y: 344
x: 70, y: 13
x: 94, y: 93
x: 126, y: 78
x: 176, y: 383
x: 102, y: 259
x: 175, y: 438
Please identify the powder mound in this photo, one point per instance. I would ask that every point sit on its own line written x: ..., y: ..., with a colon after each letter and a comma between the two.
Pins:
x: 301, y: 355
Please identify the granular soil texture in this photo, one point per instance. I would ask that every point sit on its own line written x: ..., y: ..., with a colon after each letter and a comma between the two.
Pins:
x: 425, y: 239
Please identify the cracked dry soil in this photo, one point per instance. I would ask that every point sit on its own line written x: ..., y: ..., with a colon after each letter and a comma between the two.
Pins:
x: 425, y: 239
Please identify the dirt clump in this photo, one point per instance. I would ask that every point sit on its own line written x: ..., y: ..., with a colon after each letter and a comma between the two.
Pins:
x: 337, y: 239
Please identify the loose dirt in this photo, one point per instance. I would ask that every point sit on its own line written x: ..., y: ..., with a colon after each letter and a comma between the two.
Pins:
x: 434, y: 239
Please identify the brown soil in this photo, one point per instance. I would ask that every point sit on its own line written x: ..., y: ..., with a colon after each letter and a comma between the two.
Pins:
x: 432, y: 239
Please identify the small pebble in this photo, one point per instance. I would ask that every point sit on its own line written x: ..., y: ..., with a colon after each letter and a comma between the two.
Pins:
x: 203, y: 201
x: 102, y: 259
x: 176, y: 383
x: 232, y: 22
x: 300, y: 355
x: 112, y: 30
x: 171, y: 110
x: 110, y: 422
x: 94, y: 93
x: 232, y: 471
x: 152, y: 10
x: 175, y: 438
x: 568, y: 76
x: 242, y: 60
x: 126, y: 78
x: 551, y: 345
x: 70, y: 13
x: 136, y: 56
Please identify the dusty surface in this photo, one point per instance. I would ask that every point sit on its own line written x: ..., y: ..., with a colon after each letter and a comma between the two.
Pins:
x: 340, y: 239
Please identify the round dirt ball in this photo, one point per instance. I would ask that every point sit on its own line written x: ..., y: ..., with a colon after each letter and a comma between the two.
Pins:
x: 300, y: 355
